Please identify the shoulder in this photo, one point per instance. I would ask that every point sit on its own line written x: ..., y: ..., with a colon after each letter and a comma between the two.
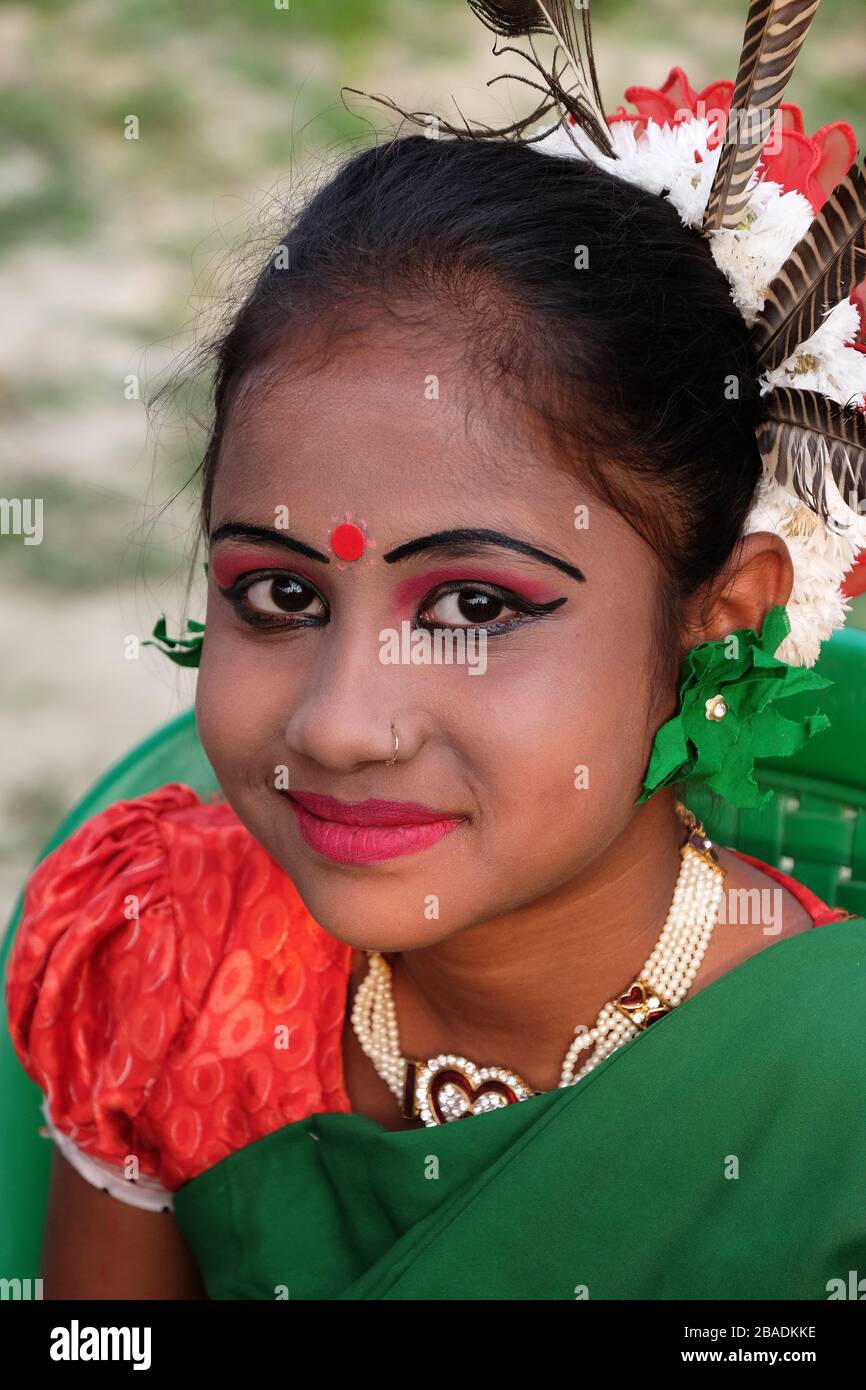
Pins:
x: 168, y: 990
x: 797, y: 998
x: 779, y: 1039
x: 799, y: 905
x: 146, y: 857
x: 129, y: 838
x: 763, y: 908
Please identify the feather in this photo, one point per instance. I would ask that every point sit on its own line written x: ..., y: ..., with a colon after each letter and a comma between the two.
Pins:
x: 523, y: 19
x: 775, y: 30
x: 823, y: 269
x: 517, y: 18
x: 804, y: 439
x: 511, y: 18
x: 430, y: 119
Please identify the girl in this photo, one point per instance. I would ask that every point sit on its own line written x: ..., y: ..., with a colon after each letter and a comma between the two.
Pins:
x: 445, y: 996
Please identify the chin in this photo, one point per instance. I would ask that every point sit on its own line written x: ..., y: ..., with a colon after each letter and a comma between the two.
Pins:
x: 382, y: 907
x: 369, y: 916
x: 369, y: 886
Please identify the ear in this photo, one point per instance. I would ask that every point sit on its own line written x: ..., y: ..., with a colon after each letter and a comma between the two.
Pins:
x: 760, y: 574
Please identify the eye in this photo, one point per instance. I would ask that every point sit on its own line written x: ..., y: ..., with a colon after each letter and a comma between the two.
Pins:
x: 268, y: 600
x: 283, y: 595
x: 466, y: 607
x: 481, y: 606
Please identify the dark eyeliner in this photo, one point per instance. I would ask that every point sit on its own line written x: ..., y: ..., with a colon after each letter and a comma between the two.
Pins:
x: 236, y: 591
x: 528, y: 607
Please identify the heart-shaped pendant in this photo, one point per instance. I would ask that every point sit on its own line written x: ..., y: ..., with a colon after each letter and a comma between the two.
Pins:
x: 448, y: 1088
x: 641, y: 1005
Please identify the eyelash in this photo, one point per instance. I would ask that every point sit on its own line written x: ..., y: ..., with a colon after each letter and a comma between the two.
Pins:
x: 531, y: 611
x: 236, y: 593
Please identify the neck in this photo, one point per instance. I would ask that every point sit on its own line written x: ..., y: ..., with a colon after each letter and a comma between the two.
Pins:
x: 511, y: 991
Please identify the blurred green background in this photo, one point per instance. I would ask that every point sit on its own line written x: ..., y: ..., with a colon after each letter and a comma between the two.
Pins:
x: 117, y: 256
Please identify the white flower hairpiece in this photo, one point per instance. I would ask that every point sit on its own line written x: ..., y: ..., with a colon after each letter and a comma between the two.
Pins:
x: 662, y: 159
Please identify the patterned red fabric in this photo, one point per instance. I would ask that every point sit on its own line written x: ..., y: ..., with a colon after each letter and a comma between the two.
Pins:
x: 207, y: 1022
x: 162, y: 960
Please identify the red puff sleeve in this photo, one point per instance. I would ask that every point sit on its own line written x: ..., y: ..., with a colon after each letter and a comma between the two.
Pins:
x: 94, y: 990
x: 172, y: 996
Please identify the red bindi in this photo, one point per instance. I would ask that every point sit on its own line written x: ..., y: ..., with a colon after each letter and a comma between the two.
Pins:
x: 348, y: 541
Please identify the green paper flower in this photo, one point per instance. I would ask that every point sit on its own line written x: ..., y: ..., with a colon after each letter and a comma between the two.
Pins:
x: 743, y: 670
x: 184, y: 650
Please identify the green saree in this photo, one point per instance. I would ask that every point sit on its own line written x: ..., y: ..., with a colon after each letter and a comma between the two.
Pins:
x: 721, y: 1154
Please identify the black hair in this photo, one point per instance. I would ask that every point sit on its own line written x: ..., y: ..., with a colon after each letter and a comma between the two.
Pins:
x: 630, y: 352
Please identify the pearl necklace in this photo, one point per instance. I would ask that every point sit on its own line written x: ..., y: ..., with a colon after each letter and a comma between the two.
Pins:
x: 447, y: 1087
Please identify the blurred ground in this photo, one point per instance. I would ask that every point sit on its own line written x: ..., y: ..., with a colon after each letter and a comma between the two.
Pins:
x: 116, y: 256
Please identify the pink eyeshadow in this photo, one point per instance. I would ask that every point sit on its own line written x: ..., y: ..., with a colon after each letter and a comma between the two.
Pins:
x: 227, y: 564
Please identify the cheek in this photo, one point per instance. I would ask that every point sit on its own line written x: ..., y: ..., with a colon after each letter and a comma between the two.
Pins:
x: 567, y: 747
x: 241, y: 709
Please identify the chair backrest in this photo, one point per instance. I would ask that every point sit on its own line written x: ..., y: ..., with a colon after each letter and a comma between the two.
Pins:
x: 815, y: 828
x: 815, y: 825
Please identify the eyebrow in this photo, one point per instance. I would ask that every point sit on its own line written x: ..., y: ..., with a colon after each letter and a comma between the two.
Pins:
x: 463, y: 541
x: 267, y: 536
x: 466, y: 540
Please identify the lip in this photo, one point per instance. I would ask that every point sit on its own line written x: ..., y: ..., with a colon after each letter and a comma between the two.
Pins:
x: 366, y: 832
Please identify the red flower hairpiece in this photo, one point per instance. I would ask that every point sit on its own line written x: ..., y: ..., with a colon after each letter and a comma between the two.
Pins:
x: 813, y: 165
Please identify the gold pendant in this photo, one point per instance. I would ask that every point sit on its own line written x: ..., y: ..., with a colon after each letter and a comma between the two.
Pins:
x: 447, y: 1088
x: 642, y: 1004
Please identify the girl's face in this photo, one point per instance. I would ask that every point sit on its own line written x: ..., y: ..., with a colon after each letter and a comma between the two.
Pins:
x: 526, y: 752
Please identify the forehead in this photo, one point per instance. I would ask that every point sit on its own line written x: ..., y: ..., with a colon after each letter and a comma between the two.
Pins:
x: 398, y: 426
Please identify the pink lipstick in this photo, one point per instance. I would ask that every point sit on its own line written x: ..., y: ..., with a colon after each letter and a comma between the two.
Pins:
x: 364, y: 832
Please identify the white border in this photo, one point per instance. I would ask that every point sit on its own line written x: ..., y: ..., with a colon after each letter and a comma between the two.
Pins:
x: 147, y: 1193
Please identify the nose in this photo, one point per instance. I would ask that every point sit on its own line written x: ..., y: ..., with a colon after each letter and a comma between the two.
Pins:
x: 344, y: 715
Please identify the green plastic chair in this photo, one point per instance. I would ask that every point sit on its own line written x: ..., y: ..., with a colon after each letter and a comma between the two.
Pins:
x: 815, y: 828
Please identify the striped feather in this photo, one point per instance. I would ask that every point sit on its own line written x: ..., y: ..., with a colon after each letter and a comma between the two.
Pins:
x: 805, y: 439
x: 516, y: 18
x: 775, y: 30
x: 512, y: 18
x: 823, y: 268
